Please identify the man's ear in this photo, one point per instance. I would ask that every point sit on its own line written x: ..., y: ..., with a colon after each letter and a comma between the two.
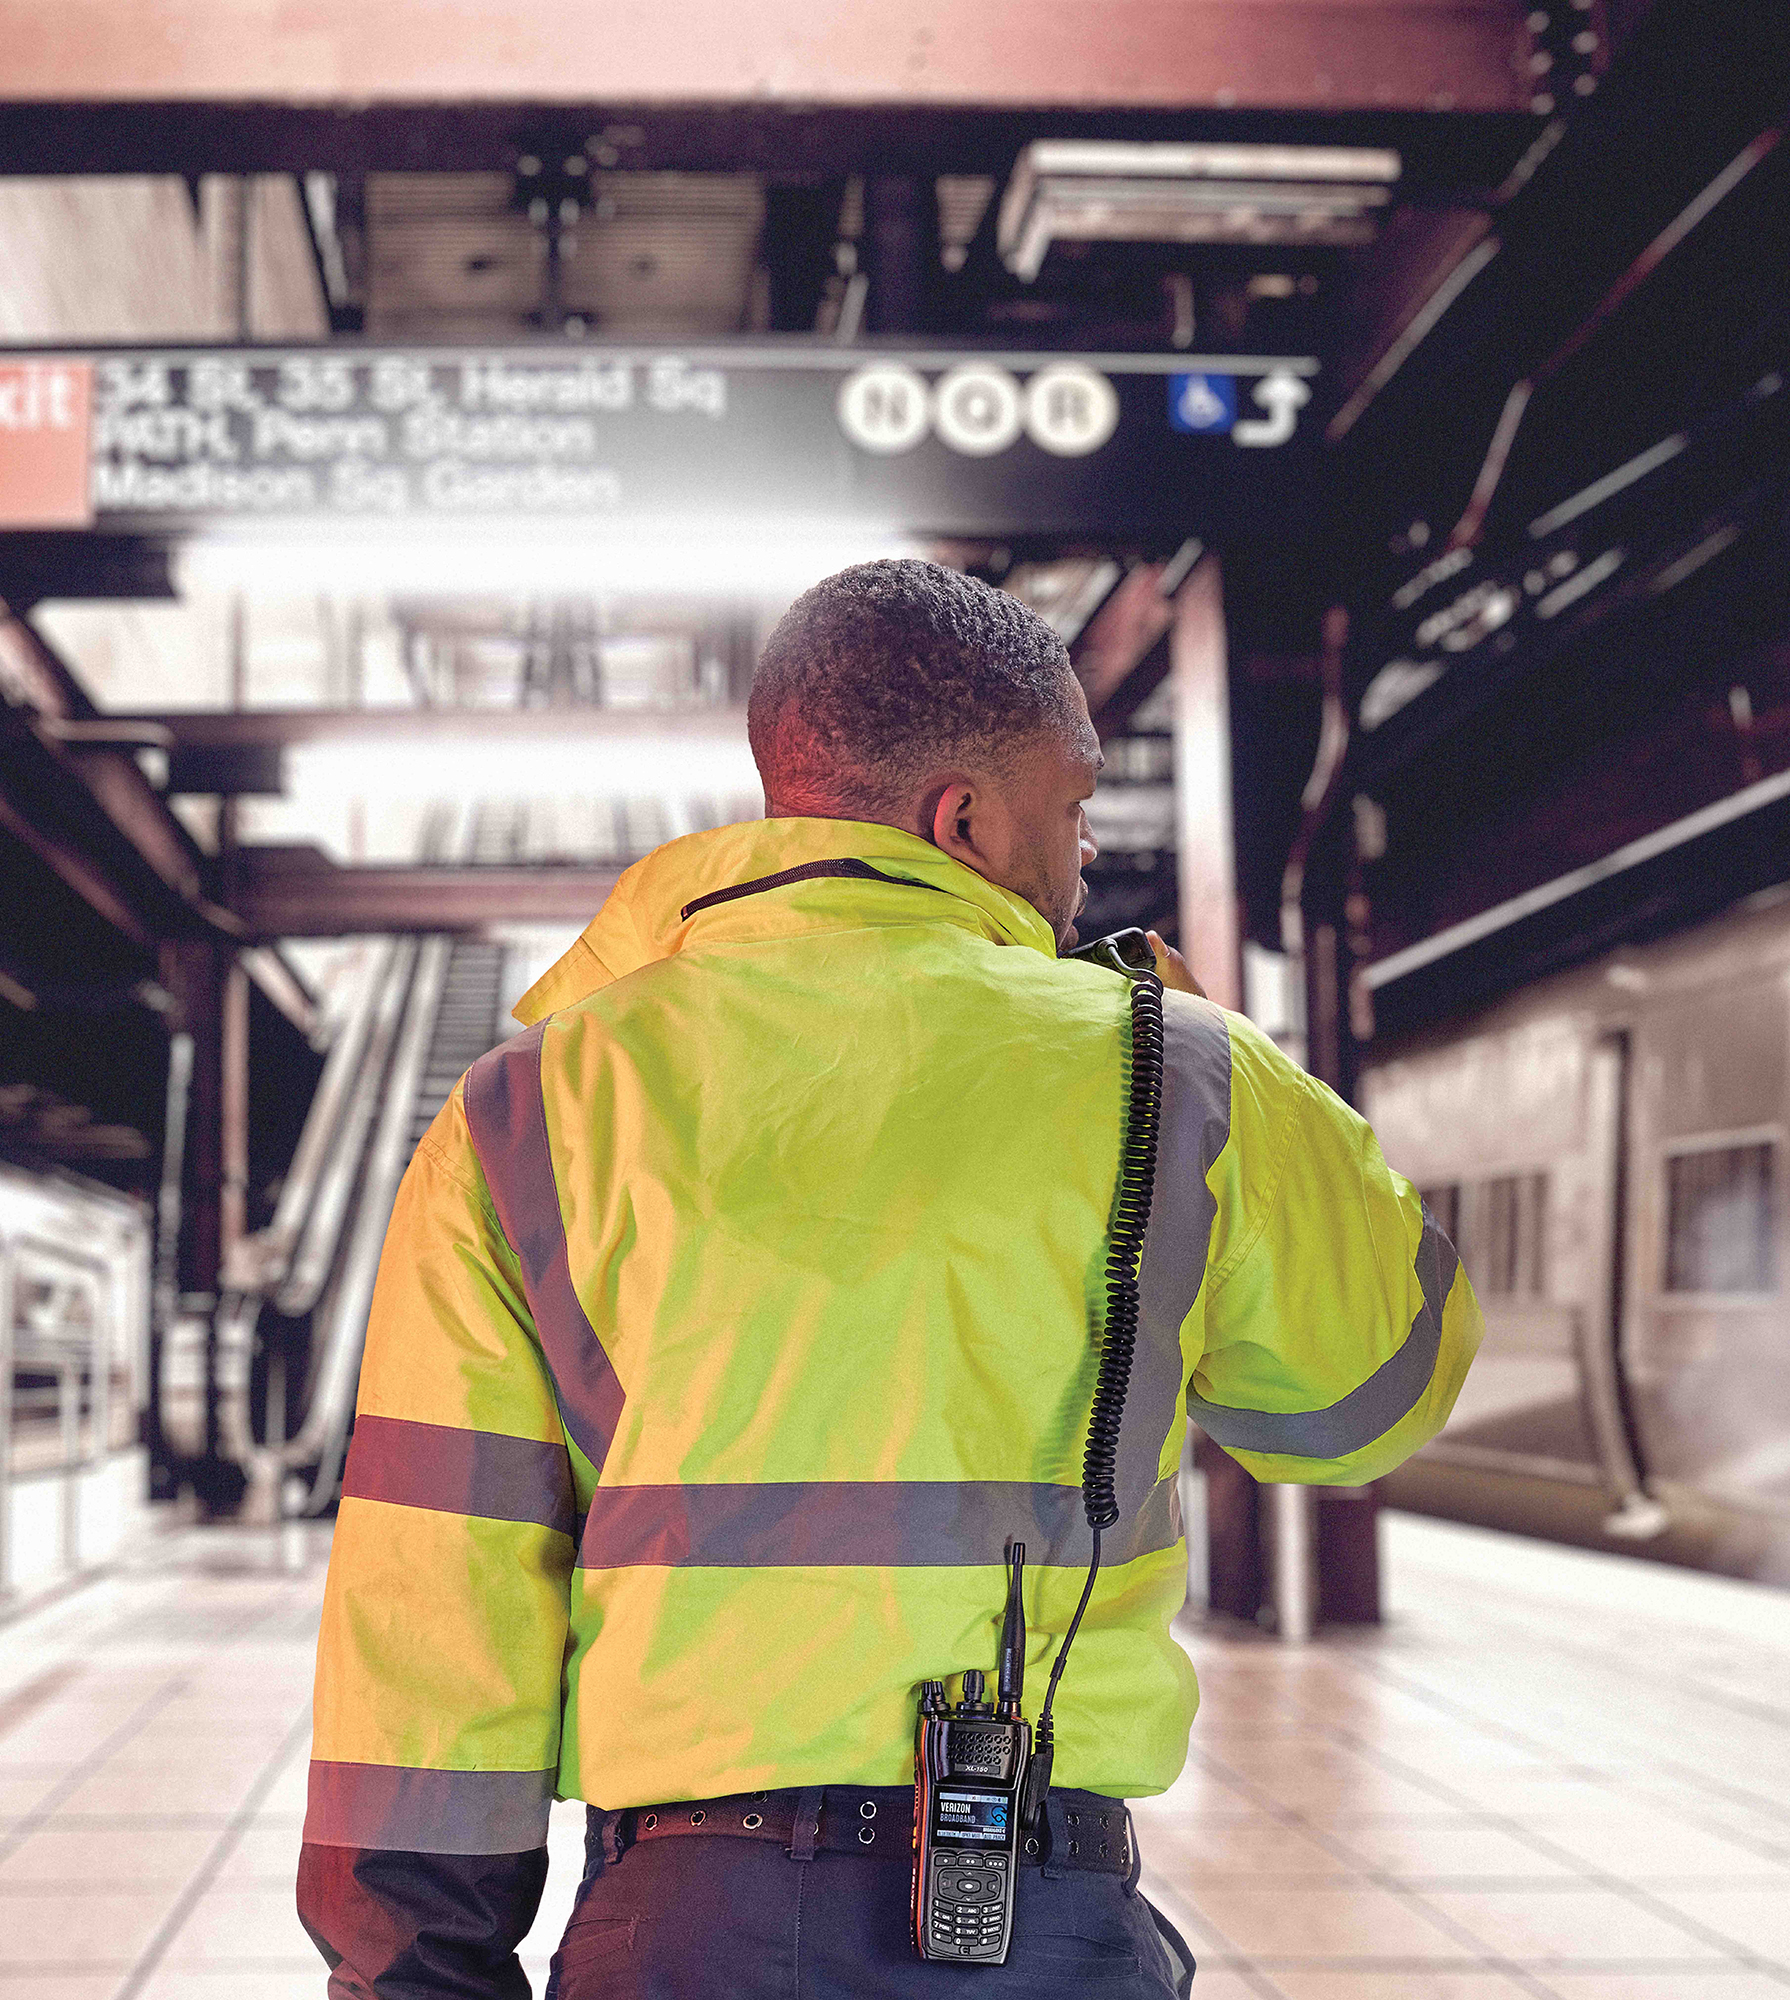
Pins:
x: 955, y: 813
x: 970, y: 822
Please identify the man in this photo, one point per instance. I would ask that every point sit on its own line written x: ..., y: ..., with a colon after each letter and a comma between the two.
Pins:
x: 735, y: 1316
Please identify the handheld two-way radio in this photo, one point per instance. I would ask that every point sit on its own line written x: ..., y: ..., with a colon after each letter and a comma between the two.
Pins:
x: 980, y: 1776
x: 970, y: 1764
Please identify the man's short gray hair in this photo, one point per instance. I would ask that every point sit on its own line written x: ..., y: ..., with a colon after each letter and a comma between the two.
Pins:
x: 888, y: 669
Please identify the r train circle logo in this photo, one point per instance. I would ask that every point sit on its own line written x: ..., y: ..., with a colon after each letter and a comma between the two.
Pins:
x: 1067, y: 409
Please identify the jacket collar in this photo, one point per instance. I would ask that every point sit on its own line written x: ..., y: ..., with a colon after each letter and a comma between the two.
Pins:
x: 643, y: 919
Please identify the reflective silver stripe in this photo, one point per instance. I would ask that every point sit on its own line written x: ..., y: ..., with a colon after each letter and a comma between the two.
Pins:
x: 1365, y: 1414
x: 449, y: 1471
x: 428, y: 1812
x: 1196, y: 1124
x: 507, y: 1118
x: 871, y: 1524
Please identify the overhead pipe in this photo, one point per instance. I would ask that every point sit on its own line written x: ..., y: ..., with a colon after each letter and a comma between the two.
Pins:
x: 1471, y: 526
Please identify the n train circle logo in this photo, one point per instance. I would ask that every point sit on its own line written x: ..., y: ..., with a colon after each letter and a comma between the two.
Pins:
x: 1066, y: 409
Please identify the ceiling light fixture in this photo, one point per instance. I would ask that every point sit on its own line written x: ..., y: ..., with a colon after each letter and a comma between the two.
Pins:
x: 1146, y: 191
x: 692, y: 558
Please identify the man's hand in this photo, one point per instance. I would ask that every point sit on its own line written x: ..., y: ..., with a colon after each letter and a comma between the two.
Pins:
x: 1172, y: 969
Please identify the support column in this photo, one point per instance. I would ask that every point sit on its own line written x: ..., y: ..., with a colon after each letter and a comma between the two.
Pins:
x: 199, y: 976
x: 1211, y: 940
x: 196, y: 979
x: 1199, y: 664
x: 1292, y: 1559
x: 1345, y: 1519
x: 900, y: 253
x: 233, y: 1111
x: 1348, y: 1530
x: 1234, y: 1570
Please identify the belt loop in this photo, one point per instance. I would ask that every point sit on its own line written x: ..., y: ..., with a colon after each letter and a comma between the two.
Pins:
x: 1056, y: 1839
x: 602, y: 1840
x: 615, y: 1824
x: 1134, y: 1853
x: 807, y: 1829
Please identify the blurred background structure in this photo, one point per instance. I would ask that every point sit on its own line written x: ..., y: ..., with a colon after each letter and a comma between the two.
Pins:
x: 413, y: 416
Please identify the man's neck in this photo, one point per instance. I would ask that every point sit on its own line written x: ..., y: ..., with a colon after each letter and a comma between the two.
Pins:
x: 864, y: 814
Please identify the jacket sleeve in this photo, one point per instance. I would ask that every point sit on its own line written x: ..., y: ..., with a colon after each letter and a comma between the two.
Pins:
x: 1337, y: 1322
x: 437, y: 1711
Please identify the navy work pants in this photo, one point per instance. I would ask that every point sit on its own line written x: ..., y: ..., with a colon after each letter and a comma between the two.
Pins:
x: 721, y: 1918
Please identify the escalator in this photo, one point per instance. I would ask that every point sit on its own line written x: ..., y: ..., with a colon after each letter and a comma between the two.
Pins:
x: 294, y: 1312
x: 467, y: 1023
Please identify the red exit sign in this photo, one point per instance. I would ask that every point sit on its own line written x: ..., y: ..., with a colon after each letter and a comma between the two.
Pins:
x: 45, y: 452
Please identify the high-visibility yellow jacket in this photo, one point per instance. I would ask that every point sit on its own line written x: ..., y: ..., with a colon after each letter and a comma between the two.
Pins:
x: 734, y: 1316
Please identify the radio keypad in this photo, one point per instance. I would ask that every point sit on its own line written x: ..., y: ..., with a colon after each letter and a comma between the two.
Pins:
x: 967, y: 1913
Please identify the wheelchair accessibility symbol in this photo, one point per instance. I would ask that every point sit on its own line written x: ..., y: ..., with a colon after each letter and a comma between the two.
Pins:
x: 1202, y: 402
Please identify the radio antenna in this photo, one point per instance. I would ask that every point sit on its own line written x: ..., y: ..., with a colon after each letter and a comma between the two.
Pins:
x: 1011, y: 1680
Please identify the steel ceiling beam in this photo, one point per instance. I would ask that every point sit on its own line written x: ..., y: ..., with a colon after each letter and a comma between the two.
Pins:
x: 1467, y: 55
x: 79, y: 803
x: 1680, y: 875
x: 38, y: 564
x: 67, y: 860
x: 1122, y: 632
x: 285, y: 892
x: 94, y: 819
x: 1453, y: 310
x: 1444, y: 152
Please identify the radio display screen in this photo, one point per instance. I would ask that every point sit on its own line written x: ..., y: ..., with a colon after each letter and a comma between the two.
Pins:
x: 983, y: 1816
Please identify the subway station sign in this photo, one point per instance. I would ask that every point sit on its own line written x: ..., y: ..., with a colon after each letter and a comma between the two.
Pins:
x: 179, y: 441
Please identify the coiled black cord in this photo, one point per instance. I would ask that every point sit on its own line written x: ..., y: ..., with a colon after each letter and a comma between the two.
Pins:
x: 1118, y: 1343
x: 1125, y: 1246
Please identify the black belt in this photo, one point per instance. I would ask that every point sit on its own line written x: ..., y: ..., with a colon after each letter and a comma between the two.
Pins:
x: 1080, y: 1830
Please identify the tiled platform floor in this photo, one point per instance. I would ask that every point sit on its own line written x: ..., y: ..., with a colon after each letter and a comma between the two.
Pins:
x: 1550, y: 1774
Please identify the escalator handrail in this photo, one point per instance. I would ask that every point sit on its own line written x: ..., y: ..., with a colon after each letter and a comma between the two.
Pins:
x: 323, y: 1434
x: 283, y: 1239
x: 293, y: 1282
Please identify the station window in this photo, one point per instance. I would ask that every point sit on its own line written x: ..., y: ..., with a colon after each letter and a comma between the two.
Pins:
x: 1499, y: 1227
x: 1444, y: 1203
x: 1720, y: 1210
x: 1507, y: 1257
x: 56, y: 1337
